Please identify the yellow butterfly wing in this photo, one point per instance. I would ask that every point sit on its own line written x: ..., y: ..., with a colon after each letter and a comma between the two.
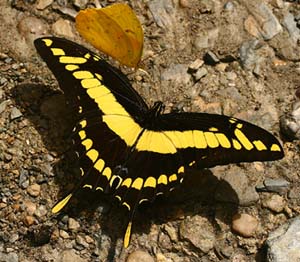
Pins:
x: 115, y: 30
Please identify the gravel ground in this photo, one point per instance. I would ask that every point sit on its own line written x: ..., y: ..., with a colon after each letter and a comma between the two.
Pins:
x: 238, y: 58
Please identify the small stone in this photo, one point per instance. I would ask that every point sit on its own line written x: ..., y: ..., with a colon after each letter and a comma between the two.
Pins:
x: 172, y: 232
x: 279, y: 185
x: 89, y: 240
x: 276, y: 203
x: 28, y: 220
x: 73, y: 224
x: 283, y: 244
x: 229, y: 6
x: 63, y: 234
x: 201, y: 72
x: 194, y: 66
x: 244, y: 224
x: 3, y: 105
x: 70, y: 256
x: 210, y: 58
x: 15, y: 113
x: 139, y: 256
x: 34, y: 190
x: 63, y: 27
x: 30, y: 207
x: 184, y: 3
x: 13, y: 238
x: 81, y: 3
x: 198, y: 231
x: 81, y: 241
x: 41, y: 211
x: 43, y: 4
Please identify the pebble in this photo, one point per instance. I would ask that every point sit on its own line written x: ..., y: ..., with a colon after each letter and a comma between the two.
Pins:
x: 139, y: 256
x: 43, y: 4
x: 244, y: 224
x: 73, y: 224
x: 290, y: 123
x: 28, y: 220
x: 34, y: 190
x: 3, y: 105
x: 81, y: 241
x: 64, y: 234
x: 176, y: 73
x: 210, y: 58
x: 162, y: 12
x: 201, y: 72
x: 275, y: 203
x: 198, y: 231
x: 15, y: 113
x: 80, y: 3
x: 194, y: 66
x: 283, y: 244
x: 31, y: 27
x: 206, y: 39
x: 41, y: 211
x: 30, y: 207
x: 184, y: 3
x: 291, y: 25
x: 71, y: 256
x: 172, y: 232
x: 229, y: 6
x: 278, y: 185
x: 63, y: 27
x: 244, y: 193
x: 10, y: 257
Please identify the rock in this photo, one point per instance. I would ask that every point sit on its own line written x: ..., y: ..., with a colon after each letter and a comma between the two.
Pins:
x: 31, y: 27
x: 206, y: 39
x: 81, y: 3
x: 10, y: 257
x: 70, y: 256
x: 290, y: 123
x: 283, y: 244
x: 184, y: 3
x: 162, y: 12
x: 235, y: 179
x: 81, y: 241
x: 263, y: 22
x: 210, y: 58
x: 64, y: 234
x: 290, y: 24
x: 248, y: 54
x: 3, y: 105
x: 63, y: 27
x: 279, y: 185
x: 201, y: 72
x: 194, y: 66
x: 34, y: 190
x: 43, y: 4
x: 177, y: 73
x: 73, y: 224
x: 244, y: 224
x: 139, y: 256
x: 30, y: 207
x: 275, y: 203
x: 198, y: 231
x: 28, y: 220
x: 229, y: 6
x: 15, y: 113
x: 41, y: 211
x: 172, y: 232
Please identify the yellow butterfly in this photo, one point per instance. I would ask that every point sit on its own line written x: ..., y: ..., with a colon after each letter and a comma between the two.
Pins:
x: 115, y: 30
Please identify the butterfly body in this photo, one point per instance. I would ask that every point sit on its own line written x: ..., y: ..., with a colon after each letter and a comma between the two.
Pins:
x: 133, y: 151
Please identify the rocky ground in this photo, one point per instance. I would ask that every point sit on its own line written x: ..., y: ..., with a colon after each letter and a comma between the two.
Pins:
x: 238, y: 58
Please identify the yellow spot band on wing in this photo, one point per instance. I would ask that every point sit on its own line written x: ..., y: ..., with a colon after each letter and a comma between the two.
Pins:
x: 127, y: 182
x: 83, y: 123
x: 137, y: 183
x: 83, y: 75
x: 243, y: 139
x: 82, y: 134
x: 88, y: 143
x: 236, y: 144
x: 71, y: 67
x: 126, y: 204
x: 72, y: 60
x: 172, y: 178
x: 162, y: 179
x: 275, y: 147
x: 57, y: 51
x: 99, y: 165
x: 98, y: 91
x: 107, y: 172
x: 88, y: 186
x: 61, y: 204
x: 91, y: 82
x: 259, y: 145
x: 180, y: 169
x: 48, y: 42
x: 211, y: 139
x: 127, y: 235
x: 150, y: 182
x: 223, y: 140
x: 213, y: 129
x: 93, y: 155
x: 99, y: 76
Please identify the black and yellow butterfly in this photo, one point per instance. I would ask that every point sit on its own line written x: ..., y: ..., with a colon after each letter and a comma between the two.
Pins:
x: 133, y: 151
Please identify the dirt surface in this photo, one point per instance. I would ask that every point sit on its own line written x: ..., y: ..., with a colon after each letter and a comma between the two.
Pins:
x: 248, y: 57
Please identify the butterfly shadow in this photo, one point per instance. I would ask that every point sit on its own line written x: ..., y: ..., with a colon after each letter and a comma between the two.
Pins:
x: 45, y: 108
